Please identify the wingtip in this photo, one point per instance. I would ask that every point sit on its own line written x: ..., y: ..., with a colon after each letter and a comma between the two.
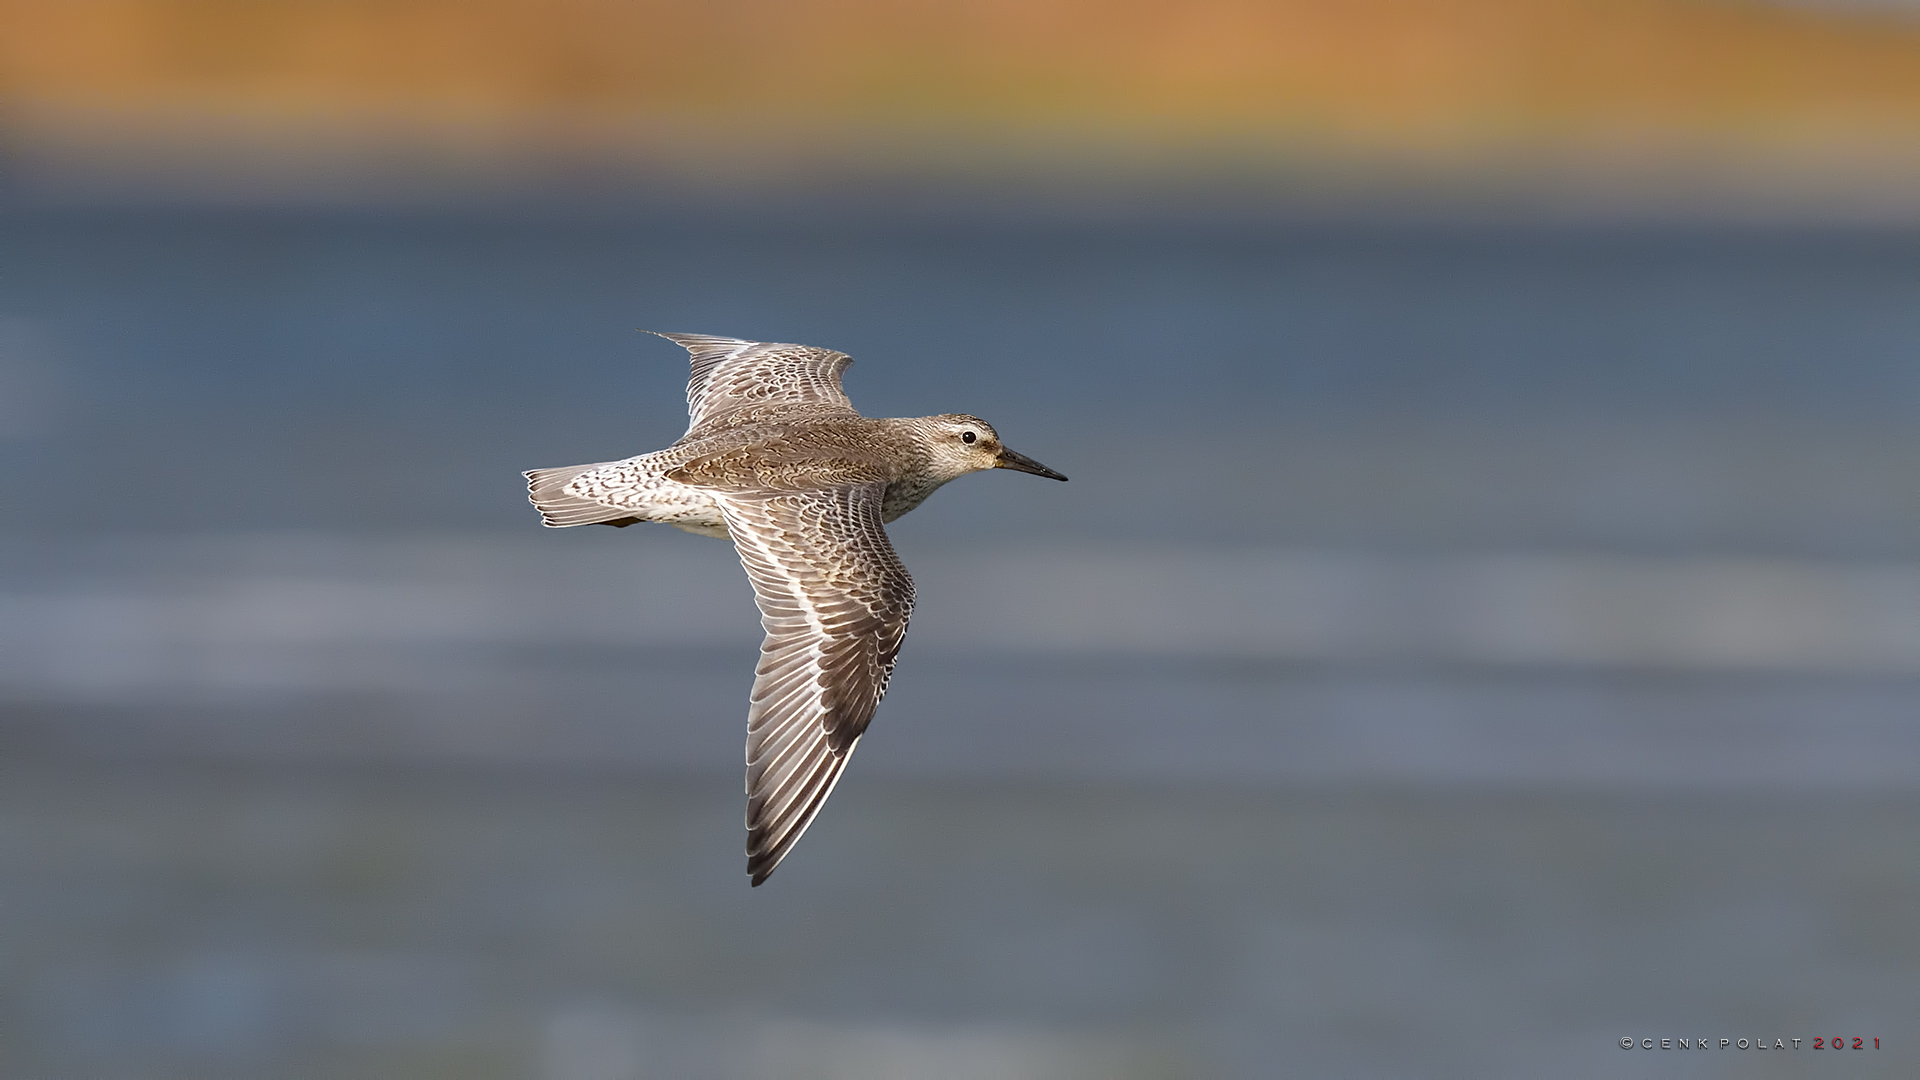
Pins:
x: 687, y: 341
x: 760, y: 867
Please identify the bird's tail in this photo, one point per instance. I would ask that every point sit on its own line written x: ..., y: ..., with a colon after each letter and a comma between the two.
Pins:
x: 546, y: 490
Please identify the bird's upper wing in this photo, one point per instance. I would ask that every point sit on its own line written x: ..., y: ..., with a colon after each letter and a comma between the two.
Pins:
x: 835, y: 600
x: 730, y: 374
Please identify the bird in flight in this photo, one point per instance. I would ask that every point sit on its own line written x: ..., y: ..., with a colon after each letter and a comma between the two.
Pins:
x: 776, y: 459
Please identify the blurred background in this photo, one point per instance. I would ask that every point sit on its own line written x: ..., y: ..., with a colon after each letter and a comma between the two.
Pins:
x: 1484, y: 623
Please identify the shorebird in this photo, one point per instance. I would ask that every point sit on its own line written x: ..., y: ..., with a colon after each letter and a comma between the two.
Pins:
x: 776, y: 459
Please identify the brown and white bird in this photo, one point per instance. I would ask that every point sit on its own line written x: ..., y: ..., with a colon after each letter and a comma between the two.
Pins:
x: 777, y: 459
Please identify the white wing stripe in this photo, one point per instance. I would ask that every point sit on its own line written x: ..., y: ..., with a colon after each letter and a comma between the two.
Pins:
x: 834, y: 600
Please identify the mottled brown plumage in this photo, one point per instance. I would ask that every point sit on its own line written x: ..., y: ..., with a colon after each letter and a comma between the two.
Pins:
x: 776, y: 458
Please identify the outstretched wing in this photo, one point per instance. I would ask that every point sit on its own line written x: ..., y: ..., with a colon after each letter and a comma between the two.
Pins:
x: 729, y: 374
x: 835, y: 600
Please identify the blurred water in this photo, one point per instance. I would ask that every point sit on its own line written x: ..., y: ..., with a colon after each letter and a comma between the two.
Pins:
x: 1159, y: 663
x: 1458, y: 648
x: 1356, y: 385
x: 244, y: 922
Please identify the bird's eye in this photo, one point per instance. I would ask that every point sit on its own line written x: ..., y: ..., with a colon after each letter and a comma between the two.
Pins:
x: 967, y: 436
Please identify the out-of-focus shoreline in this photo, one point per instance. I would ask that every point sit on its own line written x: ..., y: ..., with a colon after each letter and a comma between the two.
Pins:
x: 1478, y: 107
x: 110, y: 159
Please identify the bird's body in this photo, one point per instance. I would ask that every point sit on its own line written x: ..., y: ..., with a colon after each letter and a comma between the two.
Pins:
x: 777, y: 459
x: 676, y: 485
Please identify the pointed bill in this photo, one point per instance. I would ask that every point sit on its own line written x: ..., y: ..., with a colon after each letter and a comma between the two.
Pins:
x: 1007, y: 459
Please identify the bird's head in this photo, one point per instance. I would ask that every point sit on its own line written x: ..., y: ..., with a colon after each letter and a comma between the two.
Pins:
x: 962, y: 444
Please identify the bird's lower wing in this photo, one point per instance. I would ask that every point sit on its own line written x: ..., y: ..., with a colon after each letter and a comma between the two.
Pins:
x: 834, y: 600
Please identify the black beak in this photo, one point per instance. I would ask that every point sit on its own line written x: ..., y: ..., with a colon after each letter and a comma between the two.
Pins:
x: 1007, y: 459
